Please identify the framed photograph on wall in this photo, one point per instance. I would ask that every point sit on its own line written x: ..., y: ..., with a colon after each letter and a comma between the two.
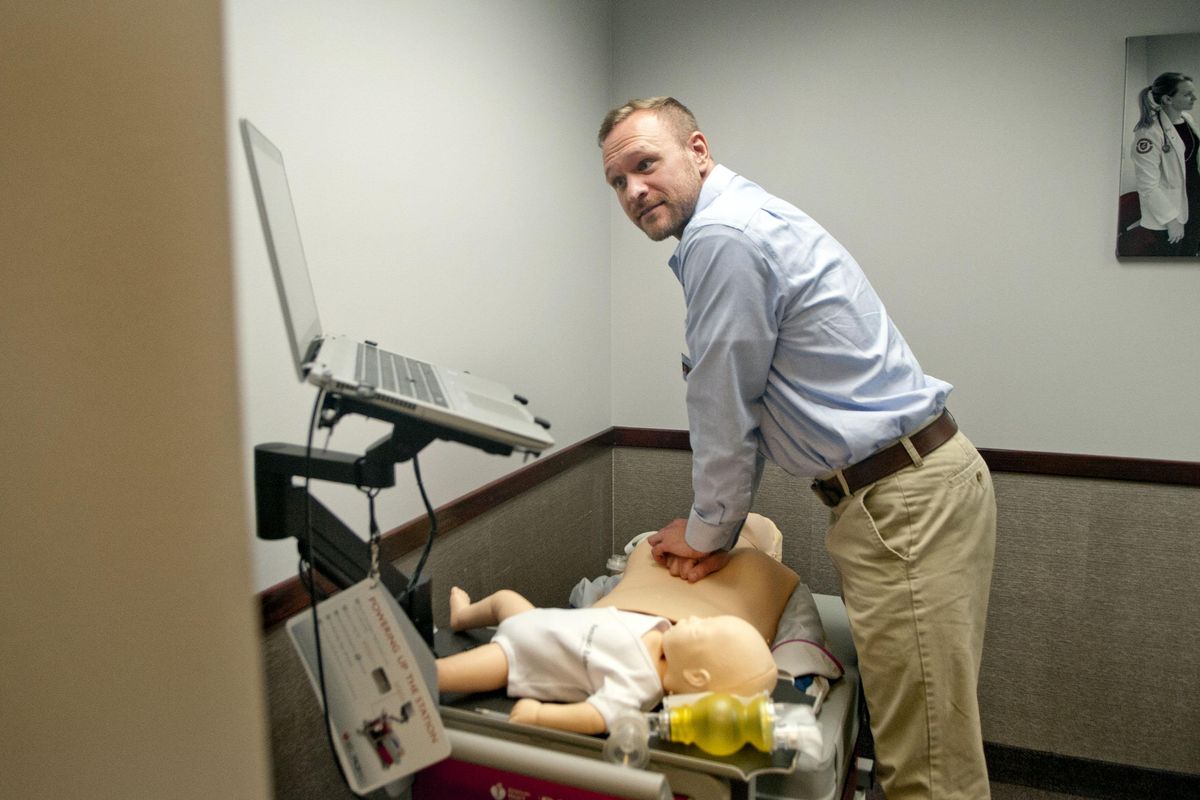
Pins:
x: 1159, y: 204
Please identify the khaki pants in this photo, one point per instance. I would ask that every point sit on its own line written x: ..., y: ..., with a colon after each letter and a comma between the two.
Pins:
x: 915, y: 554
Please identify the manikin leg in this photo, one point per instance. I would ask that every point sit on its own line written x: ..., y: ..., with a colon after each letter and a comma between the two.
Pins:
x: 484, y: 668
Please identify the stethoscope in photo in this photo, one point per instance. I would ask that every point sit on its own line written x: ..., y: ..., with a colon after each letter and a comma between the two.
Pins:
x: 1166, y: 148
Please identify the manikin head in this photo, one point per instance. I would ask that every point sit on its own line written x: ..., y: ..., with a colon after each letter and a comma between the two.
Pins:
x: 717, y: 654
x: 656, y: 160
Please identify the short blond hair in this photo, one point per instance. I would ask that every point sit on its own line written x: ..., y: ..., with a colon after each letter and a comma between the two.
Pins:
x: 677, y: 116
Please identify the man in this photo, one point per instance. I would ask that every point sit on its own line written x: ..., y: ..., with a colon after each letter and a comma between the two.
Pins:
x: 793, y: 358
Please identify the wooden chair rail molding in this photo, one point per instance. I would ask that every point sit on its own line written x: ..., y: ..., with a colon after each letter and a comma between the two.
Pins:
x: 289, y: 597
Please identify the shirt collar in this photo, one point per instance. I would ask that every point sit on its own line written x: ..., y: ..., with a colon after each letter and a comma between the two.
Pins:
x: 718, y: 180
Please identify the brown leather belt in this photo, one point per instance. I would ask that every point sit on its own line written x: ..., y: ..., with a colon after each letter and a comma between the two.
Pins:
x: 887, y: 461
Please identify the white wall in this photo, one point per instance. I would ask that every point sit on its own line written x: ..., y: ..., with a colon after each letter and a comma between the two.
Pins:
x: 968, y: 154
x: 450, y: 206
x: 129, y: 630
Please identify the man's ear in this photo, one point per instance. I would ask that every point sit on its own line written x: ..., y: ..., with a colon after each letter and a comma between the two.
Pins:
x: 697, y: 678
x: 697, y: 147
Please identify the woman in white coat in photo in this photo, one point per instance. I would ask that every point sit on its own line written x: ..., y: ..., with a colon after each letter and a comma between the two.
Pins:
x: 1165, y: 144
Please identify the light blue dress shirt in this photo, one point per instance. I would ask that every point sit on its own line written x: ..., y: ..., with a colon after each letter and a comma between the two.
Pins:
x: 793, y: 356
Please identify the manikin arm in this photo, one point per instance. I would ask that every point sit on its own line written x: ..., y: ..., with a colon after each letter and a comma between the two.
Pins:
x: 577, y: 717
x: 485, y: 668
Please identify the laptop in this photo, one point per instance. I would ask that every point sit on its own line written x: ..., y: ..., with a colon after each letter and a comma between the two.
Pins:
x: 363, y: 371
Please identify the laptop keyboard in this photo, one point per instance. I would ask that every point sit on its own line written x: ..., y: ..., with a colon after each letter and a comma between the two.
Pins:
x: 395, y: 373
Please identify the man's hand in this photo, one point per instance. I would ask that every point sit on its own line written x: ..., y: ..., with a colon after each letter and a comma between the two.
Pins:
x: 670, y: 548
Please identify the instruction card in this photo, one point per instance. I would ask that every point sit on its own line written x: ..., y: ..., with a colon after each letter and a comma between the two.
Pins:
x: 384, y: 720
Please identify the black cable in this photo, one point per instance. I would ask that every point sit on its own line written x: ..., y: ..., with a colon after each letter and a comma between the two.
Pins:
x: 312, y: 588
x: 416, y: 576
x: 311, y: 583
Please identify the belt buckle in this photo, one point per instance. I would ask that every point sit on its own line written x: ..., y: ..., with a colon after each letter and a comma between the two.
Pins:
x: 827, y: 495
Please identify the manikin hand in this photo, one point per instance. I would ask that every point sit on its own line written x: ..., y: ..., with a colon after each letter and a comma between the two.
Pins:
x: 578, y: 717
x: 525, y: 711
x: 670, y: 548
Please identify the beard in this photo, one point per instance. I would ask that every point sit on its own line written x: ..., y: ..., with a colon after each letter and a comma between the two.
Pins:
x: 668, y: 220
x: 661, y: 223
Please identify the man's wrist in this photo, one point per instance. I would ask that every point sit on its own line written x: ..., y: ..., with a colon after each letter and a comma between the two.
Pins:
x: 705, y: 538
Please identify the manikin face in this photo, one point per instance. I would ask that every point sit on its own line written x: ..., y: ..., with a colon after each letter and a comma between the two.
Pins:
x: 1183, y: 99
x: 719, y: 654
x: 657, y: 179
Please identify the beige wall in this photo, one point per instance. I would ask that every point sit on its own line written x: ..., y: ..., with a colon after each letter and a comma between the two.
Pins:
x: 1091, y: 625
x: 1091, y: 631
x: 130, y: 664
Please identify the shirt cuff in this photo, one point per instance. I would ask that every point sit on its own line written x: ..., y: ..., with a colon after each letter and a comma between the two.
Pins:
x: 706, y: 537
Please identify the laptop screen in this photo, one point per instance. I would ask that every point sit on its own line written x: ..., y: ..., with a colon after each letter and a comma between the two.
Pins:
x: 282, y: 234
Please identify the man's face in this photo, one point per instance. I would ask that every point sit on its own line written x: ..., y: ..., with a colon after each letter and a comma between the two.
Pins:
x: 657, y: 179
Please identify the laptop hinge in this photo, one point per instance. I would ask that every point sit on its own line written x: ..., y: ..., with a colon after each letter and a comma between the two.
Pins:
x: 310, y: 355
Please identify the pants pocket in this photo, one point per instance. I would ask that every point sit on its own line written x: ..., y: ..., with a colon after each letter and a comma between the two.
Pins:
x: 975, y: 470
x: 869, y: 530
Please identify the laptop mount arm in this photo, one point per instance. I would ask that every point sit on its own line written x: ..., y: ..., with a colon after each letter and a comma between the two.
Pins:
x: 337, y: 551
